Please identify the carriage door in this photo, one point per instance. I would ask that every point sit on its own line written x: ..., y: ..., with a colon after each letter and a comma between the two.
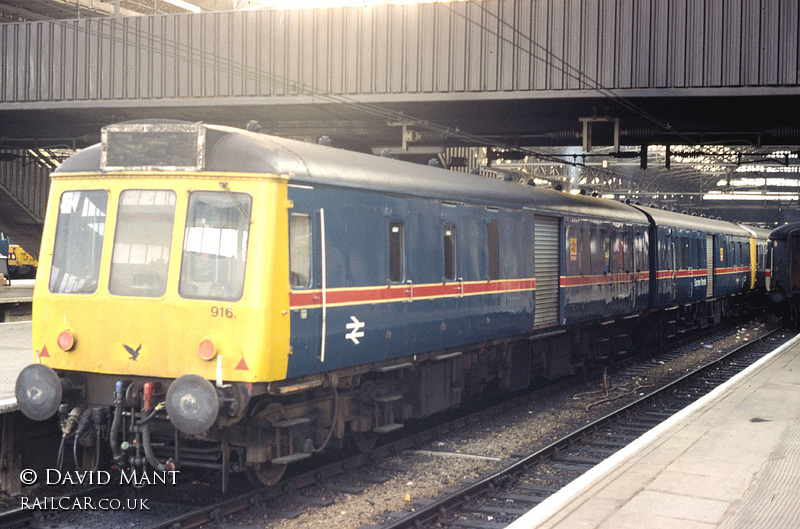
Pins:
x: 634, y: 241
x: 673, y: 265
x: 307, y: 277
x: 546, y: 262
x: 710, y: 265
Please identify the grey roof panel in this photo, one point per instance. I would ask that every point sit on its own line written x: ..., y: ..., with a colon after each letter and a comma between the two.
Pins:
x: 230, y: 149
x: 690, y: 222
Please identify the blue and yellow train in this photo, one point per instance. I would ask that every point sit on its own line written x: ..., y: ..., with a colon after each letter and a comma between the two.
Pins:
x: 16, y: 262
x: 217, y: 298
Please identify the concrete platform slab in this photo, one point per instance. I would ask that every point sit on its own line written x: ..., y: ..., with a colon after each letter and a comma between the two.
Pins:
x: 729, y: 461
x: 16, y: 352
x: 17, y: 290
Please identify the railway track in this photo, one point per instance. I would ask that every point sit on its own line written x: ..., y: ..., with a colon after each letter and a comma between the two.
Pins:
x: 562, y: 459
x: 533, y: 477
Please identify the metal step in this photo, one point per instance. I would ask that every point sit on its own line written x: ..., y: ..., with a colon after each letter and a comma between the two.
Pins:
x: 388, y: 398
x: 386, y: 428
x: 292, y: 458
x: 292, y: 422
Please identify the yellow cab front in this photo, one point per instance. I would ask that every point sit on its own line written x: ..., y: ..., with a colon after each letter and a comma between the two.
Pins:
x: 159, y: 274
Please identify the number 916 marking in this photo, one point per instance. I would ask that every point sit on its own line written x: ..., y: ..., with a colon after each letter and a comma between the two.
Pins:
x: 221, y: 312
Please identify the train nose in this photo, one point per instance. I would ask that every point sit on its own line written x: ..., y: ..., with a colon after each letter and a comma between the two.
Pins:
x: 38, y: 391
x: 192, y: 404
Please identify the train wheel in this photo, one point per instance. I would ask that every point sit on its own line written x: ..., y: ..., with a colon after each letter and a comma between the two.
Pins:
x: 265, y: 474
x: 365, y: 442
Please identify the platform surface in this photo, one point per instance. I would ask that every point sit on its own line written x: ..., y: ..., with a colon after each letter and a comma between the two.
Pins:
x: 19, y: 290
x: 729, y: 461
x: 16, y: 351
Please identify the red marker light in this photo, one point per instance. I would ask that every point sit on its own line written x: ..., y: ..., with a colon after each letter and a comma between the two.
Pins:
x: 66, y: 341
x: 207, y: 350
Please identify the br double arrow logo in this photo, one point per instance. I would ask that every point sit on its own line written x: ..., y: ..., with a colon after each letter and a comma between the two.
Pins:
x: 355, y: 327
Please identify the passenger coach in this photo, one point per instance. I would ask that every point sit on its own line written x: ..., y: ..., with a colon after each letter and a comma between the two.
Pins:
x: 222, y: 299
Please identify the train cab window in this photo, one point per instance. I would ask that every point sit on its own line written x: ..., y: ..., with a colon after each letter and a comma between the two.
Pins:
x: 215, y: 245
x: 395, y: 252
x: 493, y: 249
x: 449, y: 252
x: 142, y: 242
x: 78, y: 245
x: 300, y: 250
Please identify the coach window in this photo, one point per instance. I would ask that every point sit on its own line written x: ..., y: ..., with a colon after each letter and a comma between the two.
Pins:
x: 493, y: 249
x: 594, y: 251
x: 449, y: 252
x: 683, y: 260
x: 215, y: 245
x: 78, y: 245
x: 142, y: 242
x: 585, y: 251
x: 614, y: 255
x: 396, y: 252
x: 300, y: 250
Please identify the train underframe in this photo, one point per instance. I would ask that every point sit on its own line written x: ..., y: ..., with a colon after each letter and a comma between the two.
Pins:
x: 264, y: 430
x: 789, y: 309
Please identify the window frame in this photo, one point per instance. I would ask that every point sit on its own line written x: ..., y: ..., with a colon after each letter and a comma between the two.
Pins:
x: 310, y: 255
x: 452, y: 249
x: 493, y: 249
x: 116, y: 288
x: 184, y: 283
x: 61, y: 252
x: 397, y: 265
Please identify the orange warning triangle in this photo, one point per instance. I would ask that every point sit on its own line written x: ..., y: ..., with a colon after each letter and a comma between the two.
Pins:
x: 242, y: 365
x: 44, y: 352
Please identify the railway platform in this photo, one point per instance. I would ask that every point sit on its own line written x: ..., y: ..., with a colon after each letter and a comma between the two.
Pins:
x: 21, y: 438
x: 729, y: 461
x: 16, y: 351
x: 16, y: 300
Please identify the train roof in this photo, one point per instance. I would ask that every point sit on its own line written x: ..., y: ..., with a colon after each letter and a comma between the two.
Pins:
x: 673, y: 219
x: 760, y: 233
x: 229, y: 149
x: 782, y: 232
